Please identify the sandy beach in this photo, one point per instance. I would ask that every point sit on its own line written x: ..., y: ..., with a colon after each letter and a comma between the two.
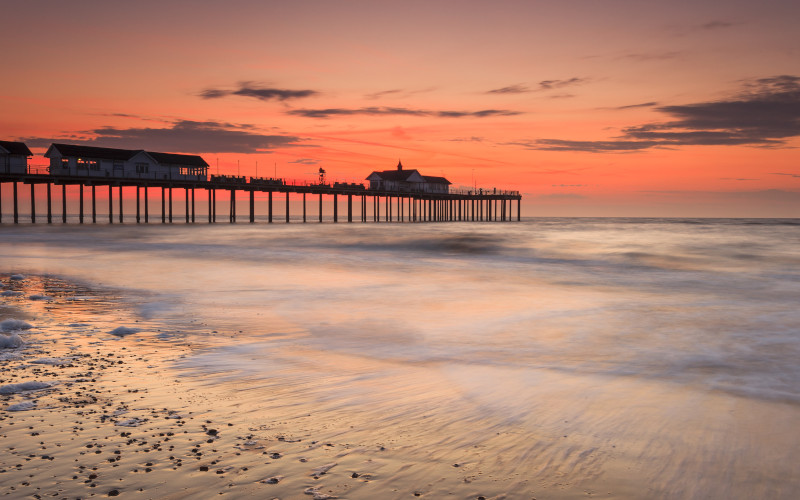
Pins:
x: 93, y: 406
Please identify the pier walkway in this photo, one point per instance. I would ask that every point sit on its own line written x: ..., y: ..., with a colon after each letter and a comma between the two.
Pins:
x: 389, y: 206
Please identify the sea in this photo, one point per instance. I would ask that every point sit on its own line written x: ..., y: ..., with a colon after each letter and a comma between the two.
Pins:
x: 633, y: 357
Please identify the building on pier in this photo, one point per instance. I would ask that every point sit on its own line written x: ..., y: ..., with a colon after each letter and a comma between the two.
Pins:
x: 407, y: 181
x: 89, y: 161
x: 14, y: 157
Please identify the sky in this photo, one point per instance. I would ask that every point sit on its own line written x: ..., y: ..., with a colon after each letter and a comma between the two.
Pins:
x: 588, y: 108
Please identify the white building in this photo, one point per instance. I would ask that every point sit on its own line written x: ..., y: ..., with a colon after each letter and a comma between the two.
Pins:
x: 14, y: 157
x: 407, y: 181
x: 89, y: 161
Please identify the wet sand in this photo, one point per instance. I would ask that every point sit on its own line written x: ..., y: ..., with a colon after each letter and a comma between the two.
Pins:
x: 102, y: 401
x: 87, y: 413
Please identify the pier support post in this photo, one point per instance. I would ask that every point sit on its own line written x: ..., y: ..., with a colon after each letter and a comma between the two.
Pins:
x: 287, y: 207
x: 94, y: 204
x: 269, y: 208
x: 320, y: 207
x: 186, y: 204
x: 192, y: 204
x: 138, y: 209
x: 377, y: 209
x: 33, y: 204
x: 363, y: 208
x: 169, y: 194
x: 335, y: 209
x: 16, y: 207
x: 49, y: 204
x: 209, y: 205
x: 349, y: 208
x: 80, y: 201
x: 519, y: 210
x: 163, y: 205
x: 232, y: 208
x: 252, y: 206
x: 304, y: 208
x: 120, y: 203
x: 63, y: 203
x: 110, y: 204
x: 214, y: 205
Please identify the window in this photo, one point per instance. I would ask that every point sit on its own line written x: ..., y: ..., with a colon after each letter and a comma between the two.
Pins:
x: 84, y: 164
x: 142, y: 168
x: 64, y: 162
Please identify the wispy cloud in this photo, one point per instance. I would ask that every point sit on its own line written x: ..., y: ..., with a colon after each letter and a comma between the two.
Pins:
x: 765, y: 113
x: 467, y: 139
x: 398, y: 93
x: 787, y: 174
x: 254, y: 90
x: 542, y: 86
x: 385, y: 110
x: 642, y: 105
x: 588, y: 146
x: 383, y: 93
x: 559, y: 84
x: 184, y: 136
x: 715, y: 25
x: 305, y: 161
x: 511, y: 89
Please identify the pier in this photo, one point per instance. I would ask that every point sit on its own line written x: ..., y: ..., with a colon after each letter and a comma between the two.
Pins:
x: 375, y: 205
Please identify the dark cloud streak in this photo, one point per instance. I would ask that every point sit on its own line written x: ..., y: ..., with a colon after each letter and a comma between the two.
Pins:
x: 511, y: 89
x: 542, y: 86
x: 642, y: 105
x: 184, y: 136
x: 249, y: 89
x: 388, y: 111
x: 765, y: 113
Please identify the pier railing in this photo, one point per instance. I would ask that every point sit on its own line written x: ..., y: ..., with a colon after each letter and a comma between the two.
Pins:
x: 400, y: 205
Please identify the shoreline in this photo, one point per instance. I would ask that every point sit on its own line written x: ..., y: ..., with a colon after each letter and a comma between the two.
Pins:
x: 113, y: 416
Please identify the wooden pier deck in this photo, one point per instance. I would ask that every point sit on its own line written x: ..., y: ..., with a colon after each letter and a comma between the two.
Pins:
x: 397, y: 206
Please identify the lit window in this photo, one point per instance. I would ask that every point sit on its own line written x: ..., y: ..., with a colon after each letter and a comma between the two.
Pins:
x: 84, y: 164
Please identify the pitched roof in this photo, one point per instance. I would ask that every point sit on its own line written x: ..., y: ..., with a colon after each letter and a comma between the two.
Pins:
x: 127, y: 154
x: 94, y: 152
x: 436, y: 180
x: 404, y: 175
x: 16, y: 148
x: 176, y: 159
x: 395, y: 175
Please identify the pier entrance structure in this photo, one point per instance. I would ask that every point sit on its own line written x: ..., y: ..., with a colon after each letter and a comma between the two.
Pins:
x: 394, y: 195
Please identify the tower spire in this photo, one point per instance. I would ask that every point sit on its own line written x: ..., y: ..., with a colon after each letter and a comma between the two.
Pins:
x: 399, y: 165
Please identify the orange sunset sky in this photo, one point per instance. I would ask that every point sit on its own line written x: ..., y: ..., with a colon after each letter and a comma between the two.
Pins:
x: 589, y: 108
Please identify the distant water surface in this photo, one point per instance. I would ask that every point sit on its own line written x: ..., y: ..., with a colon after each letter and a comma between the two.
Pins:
x: 651, y: 357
